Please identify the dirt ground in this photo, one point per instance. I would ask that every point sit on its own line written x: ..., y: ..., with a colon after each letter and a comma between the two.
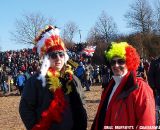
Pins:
x: 10, y: 119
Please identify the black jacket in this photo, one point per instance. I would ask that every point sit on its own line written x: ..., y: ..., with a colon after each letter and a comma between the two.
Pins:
x: 35, y: 99
x: 154, y: 74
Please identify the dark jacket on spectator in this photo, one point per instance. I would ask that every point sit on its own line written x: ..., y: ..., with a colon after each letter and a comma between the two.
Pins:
x: 36, y: 99
x: 154, y: 74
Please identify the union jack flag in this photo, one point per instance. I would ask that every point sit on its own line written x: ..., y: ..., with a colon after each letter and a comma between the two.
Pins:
x: 89, y: 50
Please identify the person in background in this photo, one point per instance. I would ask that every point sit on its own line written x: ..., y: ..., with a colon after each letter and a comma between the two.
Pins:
x: 79, y: 72
x: 127, y: 100
x: 51, y: 99
x: 20, y: 81
x: 154, y: 78
x: 87, y: 78
x: 4, y: 79
x: 105, y: 75
x: 154, y: 82
x: 10, y: 83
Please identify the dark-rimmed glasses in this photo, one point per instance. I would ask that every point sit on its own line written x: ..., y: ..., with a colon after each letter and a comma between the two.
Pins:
x: 118, y: 61
x: 54, y: 55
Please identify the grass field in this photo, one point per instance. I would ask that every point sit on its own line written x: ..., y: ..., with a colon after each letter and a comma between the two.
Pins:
x: 10, y: 119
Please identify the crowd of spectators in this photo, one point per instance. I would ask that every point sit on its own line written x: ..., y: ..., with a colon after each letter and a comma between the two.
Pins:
x: 17, y: 66
x: 15, y: 63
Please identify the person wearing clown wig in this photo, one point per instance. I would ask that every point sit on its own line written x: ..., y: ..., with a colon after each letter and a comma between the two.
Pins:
x: 51, y: 99
x: 128, y: 101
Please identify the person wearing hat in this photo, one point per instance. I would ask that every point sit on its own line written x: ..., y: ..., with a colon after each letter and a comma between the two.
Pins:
x: 51, y: 99
x: 127, y: 102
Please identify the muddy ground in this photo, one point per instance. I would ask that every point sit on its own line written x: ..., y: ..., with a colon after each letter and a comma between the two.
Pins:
x: 10, y: 119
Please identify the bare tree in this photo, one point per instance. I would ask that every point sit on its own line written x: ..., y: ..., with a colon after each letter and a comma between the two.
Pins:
x: 103, y: 32
x: 94, y: 37
x: 105, y: 27
x: 27, y: 28
x: 157, y: 17
x: 69, y: 31
x: 140, y: 16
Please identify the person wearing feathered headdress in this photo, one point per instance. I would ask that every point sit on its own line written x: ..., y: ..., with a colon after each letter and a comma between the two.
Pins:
x: 51, y: 99
x: 127, y: 102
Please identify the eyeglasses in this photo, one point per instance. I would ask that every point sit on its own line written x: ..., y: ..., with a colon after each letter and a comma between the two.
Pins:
x: 54, y: 55
x: 118, y: 61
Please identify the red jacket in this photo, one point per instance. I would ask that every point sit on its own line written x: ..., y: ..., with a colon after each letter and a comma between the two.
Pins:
x: 132, y: 106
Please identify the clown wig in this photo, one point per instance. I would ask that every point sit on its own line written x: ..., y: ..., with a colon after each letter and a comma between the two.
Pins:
x: 126, y: 52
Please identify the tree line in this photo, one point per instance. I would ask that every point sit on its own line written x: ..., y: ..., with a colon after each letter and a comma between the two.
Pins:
x: 141, y: 17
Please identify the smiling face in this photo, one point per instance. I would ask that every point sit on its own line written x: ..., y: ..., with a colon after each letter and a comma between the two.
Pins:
x: 118, y: 66
x: 57, y: 59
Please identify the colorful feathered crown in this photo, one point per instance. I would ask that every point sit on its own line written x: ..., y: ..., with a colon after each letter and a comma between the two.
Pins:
x: 48, y: 40
x: 124, y: 51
